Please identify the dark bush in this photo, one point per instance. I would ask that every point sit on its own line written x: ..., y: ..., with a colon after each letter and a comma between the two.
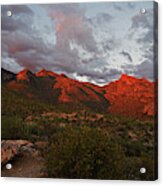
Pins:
x: 84, y: 153
x: 13, y: 128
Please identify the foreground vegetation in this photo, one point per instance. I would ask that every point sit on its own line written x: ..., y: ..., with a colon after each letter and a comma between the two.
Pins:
x: 81, y: 143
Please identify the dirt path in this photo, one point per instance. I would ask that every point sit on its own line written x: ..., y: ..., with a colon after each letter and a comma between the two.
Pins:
x: 25, y: 165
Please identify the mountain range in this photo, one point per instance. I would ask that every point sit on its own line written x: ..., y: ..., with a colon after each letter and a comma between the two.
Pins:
x: 128, y: 96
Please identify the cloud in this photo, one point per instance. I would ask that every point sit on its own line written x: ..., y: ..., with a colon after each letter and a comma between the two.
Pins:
x: 8, y: 24
x: 142, y: 27
x: 74, y: 38
x: 65, y: 8
x: 16, y: 10
x: 100, y: 19
x: 142, y: 32
x: 142, y: 20
x: 15, y: 22
x: 100, y: 77
x: 27, y: 47
x: 130, y: 5
x: 117, y: 7
x: 70, y: 26
x: 126, y: 54
x: 145, y: 69
x: 102, y: 32
x: 77, y: 41
x: 21, y: 43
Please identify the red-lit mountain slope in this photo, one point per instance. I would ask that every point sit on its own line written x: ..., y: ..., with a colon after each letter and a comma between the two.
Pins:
x: 75, y: 92
x: 46, y: 73
x: 128, y: 96
x: 54, y: 88
x: 131, y: 96
x: 25, y: 75
x: 28, y: 84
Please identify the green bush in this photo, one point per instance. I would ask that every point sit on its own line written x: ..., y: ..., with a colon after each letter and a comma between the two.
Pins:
x: 83, y: 152
x: 133, y: 165
x: 13, y: 128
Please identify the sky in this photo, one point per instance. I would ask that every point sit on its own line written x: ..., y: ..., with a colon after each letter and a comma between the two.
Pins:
x: 91, y: 42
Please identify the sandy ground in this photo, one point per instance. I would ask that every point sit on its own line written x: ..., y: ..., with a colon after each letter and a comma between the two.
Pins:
x: 25, y: 165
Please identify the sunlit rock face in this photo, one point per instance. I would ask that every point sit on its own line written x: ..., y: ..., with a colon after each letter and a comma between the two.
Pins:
x: 127, y: 96
x: 131, y: 96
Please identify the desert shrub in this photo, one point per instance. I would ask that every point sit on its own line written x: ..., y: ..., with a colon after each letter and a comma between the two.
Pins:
x: 133, y: 165
x: 17, y: 104
x: 13, y: 128
x: 133, y: 148
x: 83, y: 152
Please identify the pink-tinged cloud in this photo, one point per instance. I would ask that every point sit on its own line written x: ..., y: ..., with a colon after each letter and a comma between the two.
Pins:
x: 72, y: 28
x: 79, y: 40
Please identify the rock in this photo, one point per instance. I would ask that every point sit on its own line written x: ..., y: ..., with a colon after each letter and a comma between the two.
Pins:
x: 11, y: 148
x: 132, y: 136
x: 132, y: 97
x: 40, y: 144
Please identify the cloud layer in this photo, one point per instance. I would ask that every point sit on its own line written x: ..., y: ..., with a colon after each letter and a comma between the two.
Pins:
x: 87, y: 42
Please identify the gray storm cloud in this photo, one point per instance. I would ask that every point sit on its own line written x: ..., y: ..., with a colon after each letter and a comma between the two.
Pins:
x: 69, y: 41
x: 126, y: 54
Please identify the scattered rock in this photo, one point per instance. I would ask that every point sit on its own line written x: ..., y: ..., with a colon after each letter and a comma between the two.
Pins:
x: 24, y: 157
x: 11, y: 148
x: 133, y: 136
x: 40, y: 144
